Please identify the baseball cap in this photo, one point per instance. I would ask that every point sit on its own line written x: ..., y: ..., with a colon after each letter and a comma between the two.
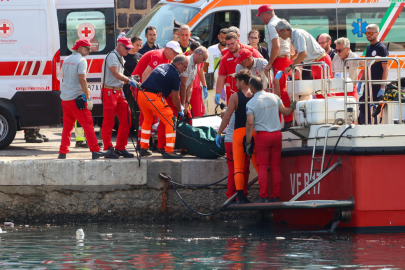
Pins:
x: 126, y: 42
x: 264, y: 8
x: 175, y: 46
x: 81, y: 42
x: 242, y: 55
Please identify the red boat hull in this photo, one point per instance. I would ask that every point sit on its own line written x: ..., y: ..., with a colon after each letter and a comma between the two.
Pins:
x: 375, y: 182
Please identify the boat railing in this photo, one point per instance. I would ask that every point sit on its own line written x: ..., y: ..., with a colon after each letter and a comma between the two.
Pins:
x: 368, y: 81
x: 325, y: 83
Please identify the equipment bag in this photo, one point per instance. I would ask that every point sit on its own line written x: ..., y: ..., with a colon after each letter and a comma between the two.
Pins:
x: 198, y: 141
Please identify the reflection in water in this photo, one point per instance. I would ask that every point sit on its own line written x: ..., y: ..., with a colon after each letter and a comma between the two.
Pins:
x: 196, y: 245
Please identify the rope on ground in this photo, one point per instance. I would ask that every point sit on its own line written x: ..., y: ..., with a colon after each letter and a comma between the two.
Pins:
x: 168, y: 179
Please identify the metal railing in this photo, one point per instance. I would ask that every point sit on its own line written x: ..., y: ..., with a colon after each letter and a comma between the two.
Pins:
x: 368, y: 89
x: 325, y: 84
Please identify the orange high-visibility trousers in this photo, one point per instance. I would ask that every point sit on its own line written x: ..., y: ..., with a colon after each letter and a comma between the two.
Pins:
x: 145, y: 100
x: 239, y: 157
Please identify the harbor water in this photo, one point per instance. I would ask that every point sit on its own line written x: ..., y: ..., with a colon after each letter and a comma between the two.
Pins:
x: 220, y: 244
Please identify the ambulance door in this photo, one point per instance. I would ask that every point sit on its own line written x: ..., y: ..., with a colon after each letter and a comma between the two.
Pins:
x: 208, y: 26
x: 96, y: 25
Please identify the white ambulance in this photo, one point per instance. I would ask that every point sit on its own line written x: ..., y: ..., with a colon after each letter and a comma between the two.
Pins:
x: 93, y: 20
x: 29, y: 64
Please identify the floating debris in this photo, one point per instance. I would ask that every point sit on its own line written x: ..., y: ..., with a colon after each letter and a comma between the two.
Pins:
x: 80, y: 234
x: 280, y: 238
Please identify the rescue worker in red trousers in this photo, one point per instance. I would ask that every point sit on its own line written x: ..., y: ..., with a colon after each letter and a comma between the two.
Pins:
x: 74, y: 94
x: 237, y: 103
x: 307, y: 48
x: 114, y: 102
x: 279, y: 53
x: 164, y: 81
x: 148, y: 62
x: 262, y: 116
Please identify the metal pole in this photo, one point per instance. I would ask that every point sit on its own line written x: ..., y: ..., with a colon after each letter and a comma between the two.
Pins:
x: 316, y: 181
x: 366, y: 91
x: 334, y: 127
x: 293, y: 92
x: 254, y: 180
x: 345, y: 88
x: 370, y: 89
x: 399, y: 92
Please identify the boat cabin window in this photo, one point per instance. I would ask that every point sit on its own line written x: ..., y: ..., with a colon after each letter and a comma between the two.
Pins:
x: 208, y: 28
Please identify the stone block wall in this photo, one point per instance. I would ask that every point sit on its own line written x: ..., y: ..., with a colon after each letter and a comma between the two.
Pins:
x: 129, y: 12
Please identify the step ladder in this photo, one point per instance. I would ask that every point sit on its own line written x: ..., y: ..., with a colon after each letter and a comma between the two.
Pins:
x: 329, y: 127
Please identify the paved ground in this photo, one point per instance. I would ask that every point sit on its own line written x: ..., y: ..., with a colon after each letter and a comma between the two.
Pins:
x: 20, y: 150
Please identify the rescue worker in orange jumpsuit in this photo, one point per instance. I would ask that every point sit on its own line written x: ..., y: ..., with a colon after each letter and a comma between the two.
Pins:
x: 164, y: 81
x: 237, y: 103
x: 76, y: 100
x: 113, y: 101
x: 148, y: 62
x: 262, y: 116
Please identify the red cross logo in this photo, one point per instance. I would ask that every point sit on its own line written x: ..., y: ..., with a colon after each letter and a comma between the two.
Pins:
x: 6, y: 28
x: 86, y: 31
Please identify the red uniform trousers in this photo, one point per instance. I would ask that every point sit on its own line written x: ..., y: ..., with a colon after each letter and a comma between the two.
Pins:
x: 231, y: 171
x: 115, y: 103
x: 162, y: 126
x: 282, y: 64
x: 239, y: 157
x: 268, y: 152
x: 165, y: 115
x: 317, y: 71
x: 196, y: 102
x: 70, y: 114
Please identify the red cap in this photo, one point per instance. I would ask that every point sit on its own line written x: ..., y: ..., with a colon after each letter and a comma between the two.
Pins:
x: 81, y: 42
x: 126, y: 42
x: 264, y: 8
x: 242, y: 55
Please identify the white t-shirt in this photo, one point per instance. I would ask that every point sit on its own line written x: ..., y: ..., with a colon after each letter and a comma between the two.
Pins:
x: 271, y: 34
x: 305, y: 42
x: 337, y: 65
x: 191, y: 71
x: 257, y: 69
x: 73, y: 65
x: 214, y: 56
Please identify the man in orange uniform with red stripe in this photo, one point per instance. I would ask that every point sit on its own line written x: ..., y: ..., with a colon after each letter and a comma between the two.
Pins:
x: 227, y: 66
x: 164, y: 81
x: 148, y: 62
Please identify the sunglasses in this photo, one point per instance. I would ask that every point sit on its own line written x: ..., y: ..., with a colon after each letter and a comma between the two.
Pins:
x: 370, y: 33
x: 231, y: 44
x: 125, y: 46
x: 253, y: 37
x: 341, y: 50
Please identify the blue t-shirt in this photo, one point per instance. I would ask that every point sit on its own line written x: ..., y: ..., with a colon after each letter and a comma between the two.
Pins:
x: 165, y: 78
x: 145, y: 48
x: 377, y: 49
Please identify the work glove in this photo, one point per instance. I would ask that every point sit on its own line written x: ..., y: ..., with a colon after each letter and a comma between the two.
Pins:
x: 293, y: 104
x: 205, y: 91
x: 249, y: 149
x: 359, y: 85
x: 218, y: 140
x: 181, y: 112
x: 90, y: 104
x: 278, y: 75
x: 80, y: 102
x: 217, y: 99
x: 134, y: 83
x: 381, y: 92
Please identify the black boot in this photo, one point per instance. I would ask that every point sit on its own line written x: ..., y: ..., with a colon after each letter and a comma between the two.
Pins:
x: 124, y: 153
x: 241, y: 197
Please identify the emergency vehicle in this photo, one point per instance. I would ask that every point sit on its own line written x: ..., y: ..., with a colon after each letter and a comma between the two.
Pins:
x: 93, y: 20
x: 332, y: 169
x: 29, y: 65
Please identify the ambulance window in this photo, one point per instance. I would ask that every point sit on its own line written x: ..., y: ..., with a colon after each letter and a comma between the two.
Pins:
x: 203, y: 30
x: 89, y: 25
x: 207, y: 29
x: 356, y: 20
x: 314, y: 21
